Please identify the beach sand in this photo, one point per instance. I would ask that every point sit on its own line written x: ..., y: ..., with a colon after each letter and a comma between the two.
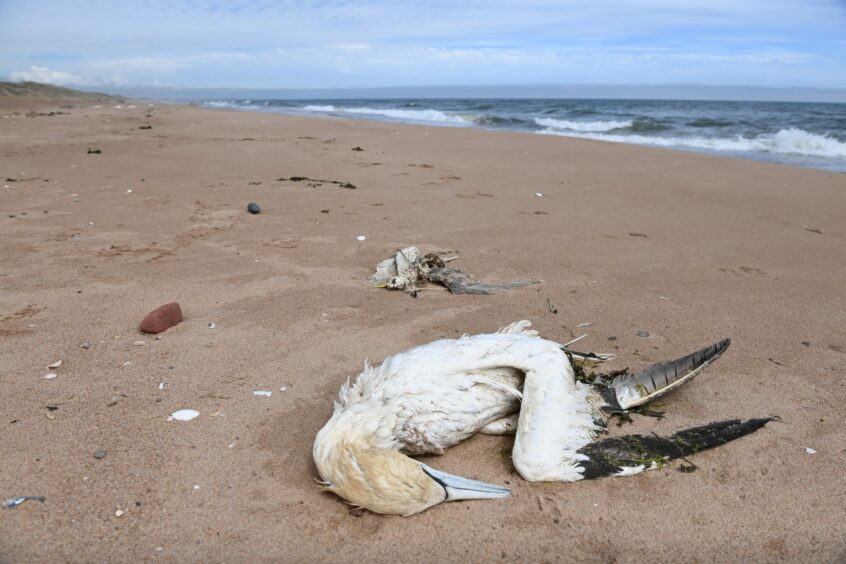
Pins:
x: 689, y: 247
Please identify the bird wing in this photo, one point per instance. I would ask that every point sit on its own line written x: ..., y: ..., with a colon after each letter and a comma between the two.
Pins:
x: 631, y: 390
x: 631, y: 454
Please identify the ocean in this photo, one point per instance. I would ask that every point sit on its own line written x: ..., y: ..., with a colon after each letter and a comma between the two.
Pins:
x: 801, y: 134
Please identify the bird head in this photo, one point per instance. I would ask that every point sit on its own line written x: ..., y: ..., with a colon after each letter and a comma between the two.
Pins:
x: 387, y: 481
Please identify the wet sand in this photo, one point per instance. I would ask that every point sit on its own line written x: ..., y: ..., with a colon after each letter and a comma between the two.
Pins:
x: 688, y: 247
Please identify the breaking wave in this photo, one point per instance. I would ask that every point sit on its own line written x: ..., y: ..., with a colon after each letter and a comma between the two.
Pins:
x: 583, y: 126
x: 319, y: 108
x: 497, y: 121
x: 792, y: 141
x: 220, y: 104
x: 428, y: 115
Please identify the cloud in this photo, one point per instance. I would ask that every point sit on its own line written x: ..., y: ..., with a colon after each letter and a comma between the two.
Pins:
x: 312, y: 43
x: 62, y: 78
x: 168, y: 64
x: 352, y: 47
x: 49, y: 76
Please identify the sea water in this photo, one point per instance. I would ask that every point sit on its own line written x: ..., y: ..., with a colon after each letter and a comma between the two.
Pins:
x: 795, y: 133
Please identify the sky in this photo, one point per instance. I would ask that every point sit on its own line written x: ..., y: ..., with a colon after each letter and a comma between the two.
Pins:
x: 383, y: 43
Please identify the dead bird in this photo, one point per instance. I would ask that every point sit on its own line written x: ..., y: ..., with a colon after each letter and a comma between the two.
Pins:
x: 406, y: 269
x: 434, y: 396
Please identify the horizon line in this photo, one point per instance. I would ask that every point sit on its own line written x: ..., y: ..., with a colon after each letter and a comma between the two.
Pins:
x: 672, y: 91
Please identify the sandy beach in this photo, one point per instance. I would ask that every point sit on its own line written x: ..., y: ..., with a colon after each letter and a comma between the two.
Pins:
x: 686, y: 247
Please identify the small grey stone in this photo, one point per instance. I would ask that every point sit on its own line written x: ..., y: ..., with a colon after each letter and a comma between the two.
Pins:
x: 253, y: 208
x: 98, y: 454
x: 612, y: 338
x: 643, y: 333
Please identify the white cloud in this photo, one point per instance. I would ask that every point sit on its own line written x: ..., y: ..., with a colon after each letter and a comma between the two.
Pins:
x: 351, y: 47
x: 43, y: 74
x: 63, y: 78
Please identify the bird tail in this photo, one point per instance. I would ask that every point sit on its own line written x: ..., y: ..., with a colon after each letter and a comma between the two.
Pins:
x: 627, y: 391
x: 632, y: 454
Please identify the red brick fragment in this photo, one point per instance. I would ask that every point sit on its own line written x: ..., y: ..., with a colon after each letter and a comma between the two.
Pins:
x: 161, y: 318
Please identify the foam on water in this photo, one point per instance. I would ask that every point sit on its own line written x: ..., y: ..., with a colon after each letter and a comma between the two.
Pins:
x: 800, y: 142
x: 584, y: 126
x: 427, y: 115
x: 314, y: 108
x: 219, y: 104
x: 790, y: 141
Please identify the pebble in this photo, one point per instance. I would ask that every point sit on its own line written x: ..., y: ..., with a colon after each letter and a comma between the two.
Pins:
x: 49, y: 375
x: 56, y: 364
x: 538, y: 194
x: 184, y: 414
x: 161, y: 318
x: 85, y: 345
x: 643, y: 333
x: 140, y: 343
x: 612, y: 338
x: 212, y: 325
x: 809, y: 450
x: 98, y: 454
x: 265, y: 393
x: 361, y: 237
x: 253, y: 208
x: 119, y: 512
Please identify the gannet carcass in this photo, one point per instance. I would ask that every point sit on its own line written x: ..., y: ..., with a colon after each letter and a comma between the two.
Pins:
x: 434, y: 396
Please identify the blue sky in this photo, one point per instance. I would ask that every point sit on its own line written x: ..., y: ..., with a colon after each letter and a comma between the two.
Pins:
x: 336, y: 44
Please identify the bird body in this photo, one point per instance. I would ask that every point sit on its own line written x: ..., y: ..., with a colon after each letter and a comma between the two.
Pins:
x: 434, y: 396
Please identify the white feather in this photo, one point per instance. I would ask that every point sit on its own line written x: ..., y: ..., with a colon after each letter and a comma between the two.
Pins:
x: 432, y: 397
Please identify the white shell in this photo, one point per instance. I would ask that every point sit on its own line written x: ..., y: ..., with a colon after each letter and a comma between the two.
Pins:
x: 185, y: 414
x: 265, y: 393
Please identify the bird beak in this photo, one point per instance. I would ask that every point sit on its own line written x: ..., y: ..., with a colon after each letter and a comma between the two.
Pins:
x: 461, y: 488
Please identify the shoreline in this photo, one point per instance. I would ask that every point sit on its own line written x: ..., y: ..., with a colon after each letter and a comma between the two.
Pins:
x: 643, y: 125
x: 688, y: 247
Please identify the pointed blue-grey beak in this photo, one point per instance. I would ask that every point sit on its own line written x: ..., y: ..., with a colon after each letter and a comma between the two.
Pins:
x: 462, y: 488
